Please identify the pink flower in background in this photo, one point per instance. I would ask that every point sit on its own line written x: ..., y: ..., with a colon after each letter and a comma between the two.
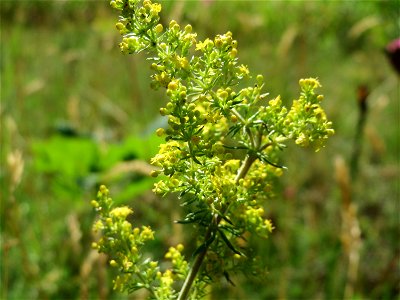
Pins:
x: 393, y: 52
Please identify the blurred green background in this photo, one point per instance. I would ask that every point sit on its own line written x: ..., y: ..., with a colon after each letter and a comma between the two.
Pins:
x: 75, y: 113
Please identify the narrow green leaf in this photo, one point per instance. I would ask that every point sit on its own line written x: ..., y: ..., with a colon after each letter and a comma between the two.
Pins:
x: 205, y: 245
x: 227, y: 242
x: 265, y: 159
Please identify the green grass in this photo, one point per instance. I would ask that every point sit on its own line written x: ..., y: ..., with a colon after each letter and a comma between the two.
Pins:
x: 62, y: 72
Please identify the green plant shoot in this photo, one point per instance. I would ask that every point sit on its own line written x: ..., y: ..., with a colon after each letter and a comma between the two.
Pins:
x: 221, y: 155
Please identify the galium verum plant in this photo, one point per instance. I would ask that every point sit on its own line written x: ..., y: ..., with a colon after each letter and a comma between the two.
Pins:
x: 220, y: 155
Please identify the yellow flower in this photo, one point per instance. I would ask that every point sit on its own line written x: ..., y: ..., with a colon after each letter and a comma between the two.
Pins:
x: 243, y: 70
x: 275, y: 102
x: 121, y: 212
x: 120, y: 281
x: 94, y: 203
x: 147, y: 233
x: 268, y: 225
x: 188, y: 28
x: 167, y: 279
x: 159, y: 28
x: 160, y: 131
x: 113, y: 263
x: 155, y: 9
x: 173, y: 85
x: 309, y: 83
x: 302, y: 140
x: 202, y: 45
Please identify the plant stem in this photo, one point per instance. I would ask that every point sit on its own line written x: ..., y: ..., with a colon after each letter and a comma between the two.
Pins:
x: 245, y: 167
x: 184, y: 293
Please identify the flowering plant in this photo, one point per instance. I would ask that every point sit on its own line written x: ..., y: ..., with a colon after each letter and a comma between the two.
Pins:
x: 220, y: 156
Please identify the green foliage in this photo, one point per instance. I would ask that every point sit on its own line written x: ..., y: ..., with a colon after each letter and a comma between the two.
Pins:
x: 209, y: 118
x: 82, y: 156
x: 87, y: 163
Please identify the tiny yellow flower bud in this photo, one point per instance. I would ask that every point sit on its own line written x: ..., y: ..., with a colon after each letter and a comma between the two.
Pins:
x: 176, y: 27
x: 237, y: 256
x: 182, y: 95
x: 94, y: 203
x: 113, y: 263
x: 159, y: 28
x: 234, y: 118
x: 160, y: 131
x: 172, y: 23
x: 120, y: 26
x: 210, y: 44
x: 180, y: 247
x: 103, y: 189
x: 218, y: 42
x: 154, y: 173
x: 302, y: 140
x: 233, y: 53
x: 172, y: 85
x: 188, y: 28
x: 153, y: 264
x: 113, y: 4
x: 163, y: 111
x: 223, y: 94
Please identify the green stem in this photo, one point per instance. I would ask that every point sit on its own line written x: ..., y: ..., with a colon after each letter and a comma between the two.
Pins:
x: 249, y: 160
x: 184, y: 293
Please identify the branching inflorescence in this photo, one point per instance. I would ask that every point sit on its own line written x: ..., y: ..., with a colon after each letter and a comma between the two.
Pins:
x: 220, y: 155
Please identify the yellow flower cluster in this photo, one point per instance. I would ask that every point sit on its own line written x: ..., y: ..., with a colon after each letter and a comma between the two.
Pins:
x: 121, y: 212
x: 254, y: 221
x: 121, y: 242
x: 179, y: 264
x: 259, y: 179
x: 164, y: 291
x: 306, y: 120
x: 169, y: 154
x: 223, y: 183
